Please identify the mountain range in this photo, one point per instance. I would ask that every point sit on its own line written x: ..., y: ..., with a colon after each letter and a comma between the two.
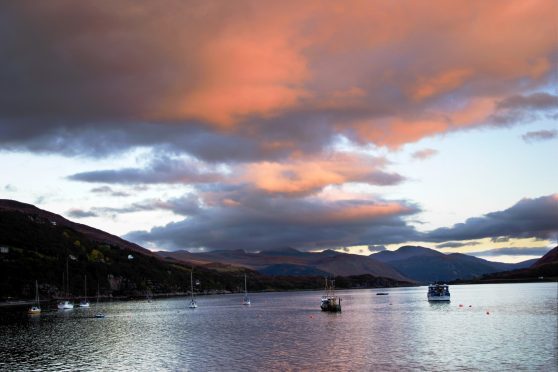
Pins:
x: 36, y: 244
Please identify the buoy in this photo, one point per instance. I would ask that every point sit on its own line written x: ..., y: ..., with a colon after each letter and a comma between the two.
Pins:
x: 488, y: 313
x: 460, y: 305
x: 470, y: 305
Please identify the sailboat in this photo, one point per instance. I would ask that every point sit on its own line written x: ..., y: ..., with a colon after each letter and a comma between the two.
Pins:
x: 66, y: 304
x: 36, y: 309
x: 98, y: 314
x: 84, y: 302
x: 193, y: 303
x: 246, y: 300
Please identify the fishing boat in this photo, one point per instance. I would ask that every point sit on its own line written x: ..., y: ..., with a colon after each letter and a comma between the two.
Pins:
x: 66, y: 304
x: 193, y: 303
x: 35, y: 309
x: 98, y: 314
x: 330, y: 302
x: 84, y: 302
x: 246, y: 299
x: 438, y: 292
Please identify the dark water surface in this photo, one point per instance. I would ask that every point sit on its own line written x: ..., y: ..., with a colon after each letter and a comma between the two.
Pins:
x: 287, y: 331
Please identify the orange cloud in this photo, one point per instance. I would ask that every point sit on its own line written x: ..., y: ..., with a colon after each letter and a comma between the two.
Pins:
x: 303, y: 176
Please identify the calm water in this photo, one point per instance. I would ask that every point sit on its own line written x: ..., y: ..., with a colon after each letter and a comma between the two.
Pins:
x: 284, y: 331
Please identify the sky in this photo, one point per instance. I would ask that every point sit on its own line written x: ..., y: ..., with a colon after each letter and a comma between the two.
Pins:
x: 357, y: 126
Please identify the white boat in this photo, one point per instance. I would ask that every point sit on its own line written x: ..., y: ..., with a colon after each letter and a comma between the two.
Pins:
x: 66, y: 304
x: 84, y: 302
x: 35, y: 309
x: 246, y: 299
x: 193, y: 303
x: 98, y: 314
x: 438, y: 292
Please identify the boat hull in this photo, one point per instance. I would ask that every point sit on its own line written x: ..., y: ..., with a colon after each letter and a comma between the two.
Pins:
x: 439, y: 298
x: 65, y: 306
x: 331, y: 304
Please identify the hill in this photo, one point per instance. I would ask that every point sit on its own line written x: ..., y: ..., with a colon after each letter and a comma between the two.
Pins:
x: 427, y: 265
x: 291, y: 262
x: 545, y: 267
x: 36, y: 244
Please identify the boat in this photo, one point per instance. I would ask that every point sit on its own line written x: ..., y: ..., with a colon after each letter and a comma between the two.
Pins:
x: 330, y: 302
x: 35, y: 309
x: 66, y: 304
x: 84, y: 302
x: 246, y: 300
x: 193, y: 303
x: 438, y: 292
x: 98, y: 314
x: 382, y: 294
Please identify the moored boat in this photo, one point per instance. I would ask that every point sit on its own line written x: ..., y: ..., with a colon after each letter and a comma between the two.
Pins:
x: 438, y: 292
x: 35, y: 309
x: 246, y: 299
x: 330, y: 302
x: 193, y: 303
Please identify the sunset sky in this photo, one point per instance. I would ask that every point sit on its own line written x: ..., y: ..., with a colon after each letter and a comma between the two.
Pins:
x: 354, y: 125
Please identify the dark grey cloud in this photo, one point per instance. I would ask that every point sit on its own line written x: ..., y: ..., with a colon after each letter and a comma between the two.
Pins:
x: 540, y: 135
x: 513, y: 251
x: 241, y: 218
x: 186, y: 205
x: 529, y: 218
x: 456, y: 244
x: 161, y: 169
x: 536, y: 101
x: 524, y: 108
x: 80, y: 213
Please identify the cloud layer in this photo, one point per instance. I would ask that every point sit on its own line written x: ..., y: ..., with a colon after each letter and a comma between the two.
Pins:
x: 536, y: 218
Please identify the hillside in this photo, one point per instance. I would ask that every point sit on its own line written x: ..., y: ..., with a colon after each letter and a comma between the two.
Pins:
x: 289, y: 261
x: 545, y: 267
x: 427, y: 265
x: 36, y: 245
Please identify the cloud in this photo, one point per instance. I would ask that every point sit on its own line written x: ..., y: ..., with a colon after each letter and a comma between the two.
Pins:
x: 541, y: 135
x: 80, y: 213
x: 376, y: 248
x: 500, y: 239
x: 513, y: 251
x: 238, y: 218
x: 10, y: 188
x: 538, y: 101
x: 305, y: 176
x: 109, y: 191
x: 424, y: 154
x: 255, y: 81
x: 456, y: 244
x: 186, y: 205
x: 161, y: 169
x: 529, y: 218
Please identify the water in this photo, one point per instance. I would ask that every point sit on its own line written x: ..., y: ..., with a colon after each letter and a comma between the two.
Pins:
x: 286, y: 331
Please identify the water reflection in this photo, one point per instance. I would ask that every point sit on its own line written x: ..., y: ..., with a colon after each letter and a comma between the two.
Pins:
x: 287, y: 330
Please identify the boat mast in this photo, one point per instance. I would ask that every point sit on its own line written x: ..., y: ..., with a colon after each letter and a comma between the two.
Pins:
x: 37, y: 293
x: 192, y: 284
x: 67, y: 280
x: 245, y: 286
